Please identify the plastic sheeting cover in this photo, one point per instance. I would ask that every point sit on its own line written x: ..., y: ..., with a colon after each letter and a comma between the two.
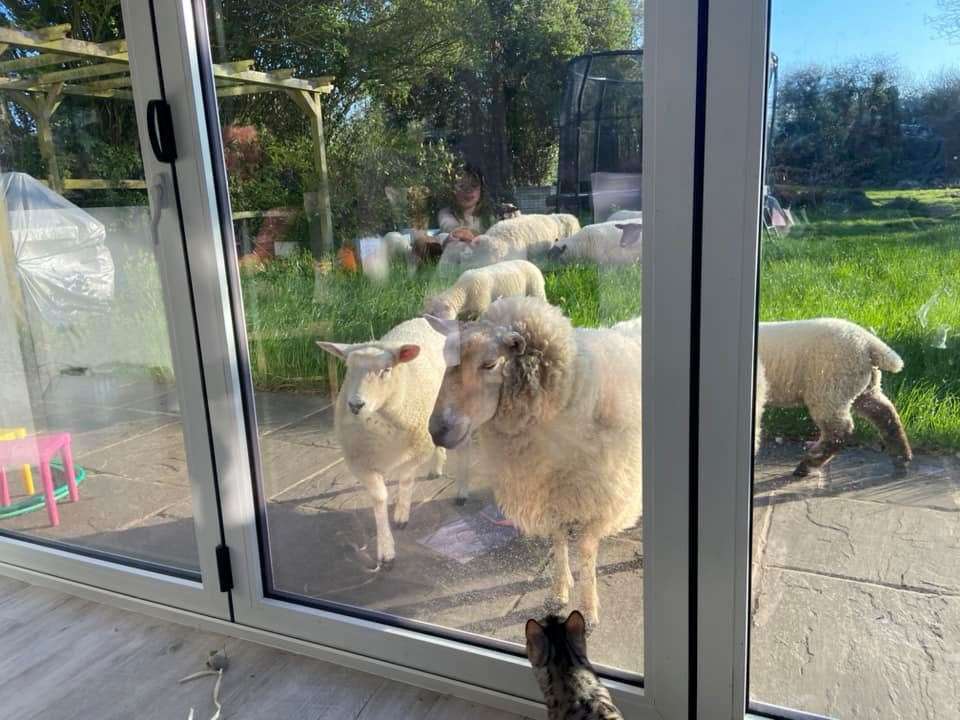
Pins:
x: 62, y: 259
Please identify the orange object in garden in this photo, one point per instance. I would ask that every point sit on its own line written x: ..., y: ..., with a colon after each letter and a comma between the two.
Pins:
x: 347, y: 259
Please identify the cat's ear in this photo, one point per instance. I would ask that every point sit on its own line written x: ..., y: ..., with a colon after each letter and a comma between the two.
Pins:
x: 536, y: 643
x: 576, y: 627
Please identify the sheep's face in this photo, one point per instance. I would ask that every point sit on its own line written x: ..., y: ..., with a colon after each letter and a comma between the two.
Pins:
x: 477, y: 355
x: 369, y: 373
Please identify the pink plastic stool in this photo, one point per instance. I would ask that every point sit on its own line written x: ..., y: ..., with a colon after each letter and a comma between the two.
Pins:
x: 39, y: 450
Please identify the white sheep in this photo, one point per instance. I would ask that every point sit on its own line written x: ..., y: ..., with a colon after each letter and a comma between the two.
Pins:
x: 381, y: 417
x: 555, y: 415
x: 519, y: 237
x: 475, y: 289
x: 832, y: 367
x: 607, y: 243
x: 622, y: 215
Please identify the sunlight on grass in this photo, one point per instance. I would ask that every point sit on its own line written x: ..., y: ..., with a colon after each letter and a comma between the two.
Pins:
x: 897, y: 275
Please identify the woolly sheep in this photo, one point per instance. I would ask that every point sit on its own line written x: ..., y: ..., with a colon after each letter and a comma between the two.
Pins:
x: 555, y: 415
x: 832, y: 367
x: 475, y: 289
x: 515, y: 238
x: 622, y: 215
x: 605, y: 243
x: 381, y: 415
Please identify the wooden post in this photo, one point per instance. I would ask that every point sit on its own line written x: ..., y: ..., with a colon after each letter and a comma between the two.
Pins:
x: 42, y: 108
x: 317, y: 209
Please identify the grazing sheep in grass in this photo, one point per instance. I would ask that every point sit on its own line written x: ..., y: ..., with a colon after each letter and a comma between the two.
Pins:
x: 608, y: 243
x: 555, y: 414
x: 520, y: 237
x: 476, y: 289
x: 832, y: 367
x: 381, y: 417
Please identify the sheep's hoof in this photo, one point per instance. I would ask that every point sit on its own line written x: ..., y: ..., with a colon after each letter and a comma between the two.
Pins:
x: 802, y: 470
x: 386, y: 564
x: 901, y: 465
x: 434, y: 476
x: 460, y: 501
x: 402, y: 525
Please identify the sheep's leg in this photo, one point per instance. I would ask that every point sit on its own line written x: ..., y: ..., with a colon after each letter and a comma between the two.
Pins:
x: 378, y: 493
x: 562, y: 577
x: 880, y: 412
x: 833, y: 434
x: 590, y: 600
x: 437, y: 461
x: 401, y: 511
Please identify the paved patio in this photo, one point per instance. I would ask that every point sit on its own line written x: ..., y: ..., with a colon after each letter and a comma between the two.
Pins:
x: 856, y: 595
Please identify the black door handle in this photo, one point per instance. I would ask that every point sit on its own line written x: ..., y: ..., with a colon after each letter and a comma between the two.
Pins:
x: 160, y: 130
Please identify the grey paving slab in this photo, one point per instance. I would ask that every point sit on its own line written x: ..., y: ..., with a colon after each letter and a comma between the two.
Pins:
x: 95, y: 427
x: 894, y: 545
x: 849, y: 649
x: 277, y: 409
x: 158, y: 457
x: 119, y: 515
x: 285, y: 464
x: 314, y: 429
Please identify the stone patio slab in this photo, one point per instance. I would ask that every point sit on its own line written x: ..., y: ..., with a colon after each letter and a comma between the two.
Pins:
x: 158, y: 457
x: 893, y: 545
x: 853, y: 650
x: 276, y: 409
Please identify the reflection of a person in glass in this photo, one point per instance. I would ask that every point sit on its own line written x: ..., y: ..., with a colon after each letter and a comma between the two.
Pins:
x: 470, y: 213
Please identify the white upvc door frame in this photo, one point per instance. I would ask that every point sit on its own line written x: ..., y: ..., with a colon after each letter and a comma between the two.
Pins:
x: 736, y: 86
x: 672, y: 91
x: 175, y: 231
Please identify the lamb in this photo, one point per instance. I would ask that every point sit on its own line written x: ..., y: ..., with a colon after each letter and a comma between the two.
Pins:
x: 605, y: 243
x: 515, y: 238
x: 475, y: 289
x: 555, y: 415
x: 381, y: 416
x: 832, y: 366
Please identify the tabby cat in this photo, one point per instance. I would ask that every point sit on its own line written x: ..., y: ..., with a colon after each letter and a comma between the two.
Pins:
x: 558, y: 652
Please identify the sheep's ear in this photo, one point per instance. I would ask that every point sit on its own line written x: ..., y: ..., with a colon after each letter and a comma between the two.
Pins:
x: 406, y: 353
x: 514, y: 342
x: 536, y: 643
x: 576, y: 627
x: 442, y: 326
x: 338, y: 349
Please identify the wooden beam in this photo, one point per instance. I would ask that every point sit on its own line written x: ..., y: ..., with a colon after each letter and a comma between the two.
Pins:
x: 53, y: 32
x: 235, y: 90
x: 95, y: 184
x: 113, y: 50
x: 100, y: 69
x: 232, y: 67
x: 123, y: 81
x: 84, y: 91
x: 34, y: 61
x: 255, y: 77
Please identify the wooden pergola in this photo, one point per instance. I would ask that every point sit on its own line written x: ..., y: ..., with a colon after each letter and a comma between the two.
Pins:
x: 58, y: 65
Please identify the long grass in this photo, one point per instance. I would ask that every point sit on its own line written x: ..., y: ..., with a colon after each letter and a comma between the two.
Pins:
x: 894, y: 270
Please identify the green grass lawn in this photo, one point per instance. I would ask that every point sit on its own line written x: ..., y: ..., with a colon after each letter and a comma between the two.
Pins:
x: 894, y: 270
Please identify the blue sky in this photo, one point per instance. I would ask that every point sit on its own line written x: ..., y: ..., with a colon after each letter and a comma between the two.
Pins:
x: 828, y: 32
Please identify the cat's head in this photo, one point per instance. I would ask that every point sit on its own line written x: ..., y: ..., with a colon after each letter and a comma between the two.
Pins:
x: 557, y: 642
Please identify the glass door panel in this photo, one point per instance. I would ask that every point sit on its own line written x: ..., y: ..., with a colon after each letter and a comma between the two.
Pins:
x: 366, y: 168
x: 856, y: 574
x: 99, y: 370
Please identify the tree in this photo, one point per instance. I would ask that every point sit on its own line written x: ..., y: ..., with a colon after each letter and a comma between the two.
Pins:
x: 946, y: 22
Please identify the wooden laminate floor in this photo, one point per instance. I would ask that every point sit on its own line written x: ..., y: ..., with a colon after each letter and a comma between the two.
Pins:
x: 65, y: 658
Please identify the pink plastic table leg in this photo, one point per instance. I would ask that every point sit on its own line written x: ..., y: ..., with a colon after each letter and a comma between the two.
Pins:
x: 67, y: 453
x: 4, y: 489
x: 48, y: 493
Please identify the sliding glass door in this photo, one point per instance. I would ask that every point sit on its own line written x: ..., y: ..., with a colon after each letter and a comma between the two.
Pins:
x: 106, y: 472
